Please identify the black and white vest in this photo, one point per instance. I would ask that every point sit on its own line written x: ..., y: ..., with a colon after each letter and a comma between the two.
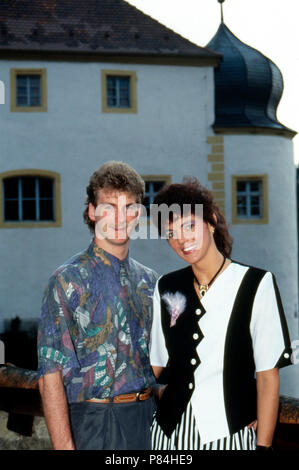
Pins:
x: 239, y: 382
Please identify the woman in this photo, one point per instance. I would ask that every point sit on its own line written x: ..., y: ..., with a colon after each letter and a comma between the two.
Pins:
x: 219, y: 336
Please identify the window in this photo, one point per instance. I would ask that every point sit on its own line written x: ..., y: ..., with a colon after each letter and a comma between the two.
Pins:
x: 250, y: 199
x: 30, y: 198
x: 153, y: 184
x: 119, y: 91
x: 28, y: 90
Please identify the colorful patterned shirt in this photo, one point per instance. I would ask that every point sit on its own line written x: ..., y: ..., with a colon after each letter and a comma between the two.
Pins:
x: 95, y: 325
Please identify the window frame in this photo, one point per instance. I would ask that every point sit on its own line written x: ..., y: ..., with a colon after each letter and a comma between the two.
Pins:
x: 153, y: 178
x: 56, y: 194
x: 132, y: 109
x: 264, y: 219
x: 13, y: 90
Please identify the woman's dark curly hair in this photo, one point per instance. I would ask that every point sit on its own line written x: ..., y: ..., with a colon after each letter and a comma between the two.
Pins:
x: 191, y: 192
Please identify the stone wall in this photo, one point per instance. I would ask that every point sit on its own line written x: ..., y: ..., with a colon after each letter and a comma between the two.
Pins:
x: 10, y: 440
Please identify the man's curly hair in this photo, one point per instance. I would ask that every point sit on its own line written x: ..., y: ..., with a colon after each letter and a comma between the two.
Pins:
x: 116, y: 176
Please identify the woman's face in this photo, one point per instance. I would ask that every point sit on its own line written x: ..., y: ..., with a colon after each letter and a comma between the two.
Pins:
x: 190, y: 237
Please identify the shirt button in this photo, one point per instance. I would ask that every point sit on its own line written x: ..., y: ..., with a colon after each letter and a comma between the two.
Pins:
x: 197, y: 311
x: 190, y: 386
x: 286, y: 355
x: 193, y: 361
x: 195, y: 336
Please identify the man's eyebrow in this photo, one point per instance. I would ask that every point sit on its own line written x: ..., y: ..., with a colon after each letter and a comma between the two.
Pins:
x: 115, y: 204
x: 109, y: 203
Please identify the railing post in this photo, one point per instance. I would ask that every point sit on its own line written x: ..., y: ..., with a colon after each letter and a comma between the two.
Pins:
x: 2, y: 353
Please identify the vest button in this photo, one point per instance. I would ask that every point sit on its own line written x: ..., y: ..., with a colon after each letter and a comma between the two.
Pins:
x: 197, y: 311
x: 193, y: 361
x: 286, y: 355
x: 190, y: 386
x: 195, y: 336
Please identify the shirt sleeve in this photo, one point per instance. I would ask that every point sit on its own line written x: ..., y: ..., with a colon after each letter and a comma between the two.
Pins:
x: 268, y: 327
x: 54, y: 344
x: 158, y: 351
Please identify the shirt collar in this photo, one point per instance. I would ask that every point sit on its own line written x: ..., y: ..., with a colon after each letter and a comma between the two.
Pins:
x: 107, y: 258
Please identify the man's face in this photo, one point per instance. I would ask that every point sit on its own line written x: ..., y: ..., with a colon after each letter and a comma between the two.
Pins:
x: 115, y: 215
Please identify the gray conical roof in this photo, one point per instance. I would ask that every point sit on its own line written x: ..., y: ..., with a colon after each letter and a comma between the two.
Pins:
x: 248, y: 86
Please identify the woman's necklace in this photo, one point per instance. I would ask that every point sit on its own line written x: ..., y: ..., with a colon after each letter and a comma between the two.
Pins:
x: 203, y: 288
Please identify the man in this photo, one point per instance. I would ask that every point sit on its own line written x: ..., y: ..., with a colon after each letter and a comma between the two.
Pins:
x: 95, y: 377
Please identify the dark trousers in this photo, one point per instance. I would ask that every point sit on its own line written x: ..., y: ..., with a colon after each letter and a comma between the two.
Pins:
x: 111, y: 426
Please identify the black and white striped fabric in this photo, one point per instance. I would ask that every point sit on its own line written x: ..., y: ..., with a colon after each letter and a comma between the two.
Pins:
x: 186, y: 437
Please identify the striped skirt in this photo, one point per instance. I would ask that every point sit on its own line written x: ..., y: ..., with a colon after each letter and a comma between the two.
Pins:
x: 186, y: 437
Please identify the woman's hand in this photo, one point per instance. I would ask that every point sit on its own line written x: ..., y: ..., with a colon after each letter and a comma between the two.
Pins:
x: 253, y: 425
x: 159, y: 390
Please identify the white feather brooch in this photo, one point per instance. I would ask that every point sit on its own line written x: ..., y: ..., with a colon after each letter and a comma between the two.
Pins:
x: 176, y: 304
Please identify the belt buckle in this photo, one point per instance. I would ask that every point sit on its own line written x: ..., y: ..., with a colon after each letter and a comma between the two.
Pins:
x: 138, y: 396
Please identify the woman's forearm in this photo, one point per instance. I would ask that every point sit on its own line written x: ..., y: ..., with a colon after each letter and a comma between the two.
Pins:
x: 157, y: 371
x: 267, y: 405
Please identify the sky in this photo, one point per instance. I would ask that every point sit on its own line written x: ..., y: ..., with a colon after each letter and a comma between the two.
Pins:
x: 271, y: 26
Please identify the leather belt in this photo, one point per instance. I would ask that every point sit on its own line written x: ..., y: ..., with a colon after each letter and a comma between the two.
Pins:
x: 126, y: 398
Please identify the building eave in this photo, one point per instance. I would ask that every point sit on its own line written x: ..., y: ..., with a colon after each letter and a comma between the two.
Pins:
x: 108, y: 56
x: 285, y: 132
